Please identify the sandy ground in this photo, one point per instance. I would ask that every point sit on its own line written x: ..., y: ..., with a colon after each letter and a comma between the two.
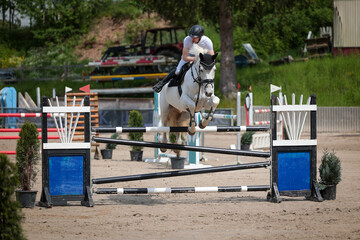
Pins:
x: 245, y: 215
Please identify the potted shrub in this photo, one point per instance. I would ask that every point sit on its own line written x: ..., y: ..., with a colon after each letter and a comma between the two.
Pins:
x: 330, y: 175
x: 136, y: 120
x: 27, y: 157
x: 246, y: 140
x: 109, y: 147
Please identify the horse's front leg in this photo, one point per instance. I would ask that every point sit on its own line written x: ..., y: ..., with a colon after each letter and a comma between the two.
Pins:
x: 211, y: 104
x: 177, y: 151
x: 164, y: 140
x: 190, y: 107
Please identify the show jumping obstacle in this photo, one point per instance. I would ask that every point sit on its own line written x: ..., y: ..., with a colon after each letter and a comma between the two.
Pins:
x: 23, y: 115
x: 66, y: 165
x: 293, y: 166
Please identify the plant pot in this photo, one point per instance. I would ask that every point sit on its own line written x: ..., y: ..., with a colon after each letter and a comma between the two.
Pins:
x: 106, y: 153
x: 136, y: 155
x: 329, y: 193
x: 177, y: 163
x: 26, y: 198
x: 245, y: 147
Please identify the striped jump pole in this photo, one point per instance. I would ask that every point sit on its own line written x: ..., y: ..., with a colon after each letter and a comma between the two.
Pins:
x: 19, y: 130
x: 180, y: 129
x: 21, y: 115
x: 18, y: 137
x: 262, y: 110
x: 8, y: 152
x: 180, y: 173
x: 181, y: 190
x: 183, y: 147
x: 221, y: 116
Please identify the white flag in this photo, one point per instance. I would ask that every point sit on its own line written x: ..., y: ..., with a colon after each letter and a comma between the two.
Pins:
x: 67, y: 89
x: 274, y: 88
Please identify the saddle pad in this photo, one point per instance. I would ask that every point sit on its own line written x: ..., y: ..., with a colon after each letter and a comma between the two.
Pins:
x: 178, y: 80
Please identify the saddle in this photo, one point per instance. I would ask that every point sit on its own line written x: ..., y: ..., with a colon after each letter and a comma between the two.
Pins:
x: 179, y: 79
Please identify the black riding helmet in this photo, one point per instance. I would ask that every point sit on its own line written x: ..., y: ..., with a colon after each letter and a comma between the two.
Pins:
x: 196, y: 31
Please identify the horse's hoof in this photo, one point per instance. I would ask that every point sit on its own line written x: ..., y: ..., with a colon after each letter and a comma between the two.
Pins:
x: 191, y: 133
x: 201, y: 126
x: 163, y: 150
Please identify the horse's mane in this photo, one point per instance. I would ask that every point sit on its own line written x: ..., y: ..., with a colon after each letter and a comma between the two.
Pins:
x: 196, y: 50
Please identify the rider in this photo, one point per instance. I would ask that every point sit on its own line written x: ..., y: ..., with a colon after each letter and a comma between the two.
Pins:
x: 196, y: 36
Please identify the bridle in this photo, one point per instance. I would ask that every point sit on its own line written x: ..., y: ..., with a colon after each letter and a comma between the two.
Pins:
x: 200, y: 81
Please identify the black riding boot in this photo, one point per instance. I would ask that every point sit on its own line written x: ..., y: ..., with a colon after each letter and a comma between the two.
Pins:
x: 157, y: 87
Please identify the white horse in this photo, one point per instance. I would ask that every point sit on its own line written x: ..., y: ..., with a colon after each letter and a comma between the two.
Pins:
x: 197, y: 94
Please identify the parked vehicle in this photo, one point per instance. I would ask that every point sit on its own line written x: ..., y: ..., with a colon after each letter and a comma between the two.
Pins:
x: 7, y: 76
x: 158, y: 41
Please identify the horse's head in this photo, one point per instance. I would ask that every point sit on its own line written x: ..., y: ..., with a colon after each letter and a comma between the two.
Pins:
x: 207, y: 72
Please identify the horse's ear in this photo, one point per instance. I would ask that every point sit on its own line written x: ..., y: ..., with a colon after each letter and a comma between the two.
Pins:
x: 201, y: 56
x: 214, y: 56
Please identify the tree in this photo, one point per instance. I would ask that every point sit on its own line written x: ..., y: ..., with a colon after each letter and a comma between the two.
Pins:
x: 228, y: 71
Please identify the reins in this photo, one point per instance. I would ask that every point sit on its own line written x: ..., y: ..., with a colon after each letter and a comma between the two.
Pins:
x: 200, y: 82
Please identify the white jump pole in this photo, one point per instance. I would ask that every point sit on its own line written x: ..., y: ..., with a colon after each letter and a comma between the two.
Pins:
x: 238, y: 122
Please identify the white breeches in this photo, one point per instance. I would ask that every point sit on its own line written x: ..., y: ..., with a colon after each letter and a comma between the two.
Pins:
x: 179, y: 66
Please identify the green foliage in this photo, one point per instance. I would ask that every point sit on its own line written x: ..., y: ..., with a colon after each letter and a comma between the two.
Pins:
x: 10, y: 215
x: 27, y: 155
x: 51, y: 56
x: 112, y: 145
x: 172, y: 137
x: 247, y: 138
x: 58, y: 21
x: 135, y: 28
x: 120, y: 10
x: 330, y: 169
x: 136, y: 120
x: 182, y: 13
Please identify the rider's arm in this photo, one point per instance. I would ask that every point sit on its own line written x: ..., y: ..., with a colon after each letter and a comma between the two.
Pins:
x: 211, y: 52
x: 185, y: 56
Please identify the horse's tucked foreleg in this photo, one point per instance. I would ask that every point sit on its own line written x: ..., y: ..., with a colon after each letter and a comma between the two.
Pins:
x: 191, y: 129
x: 211, y: 104
x: 177, y: 151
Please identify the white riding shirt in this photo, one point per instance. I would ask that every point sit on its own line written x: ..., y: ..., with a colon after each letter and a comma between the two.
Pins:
x: 204, y: 43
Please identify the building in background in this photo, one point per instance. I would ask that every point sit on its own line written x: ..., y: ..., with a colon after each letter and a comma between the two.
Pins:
x: 346, y: 27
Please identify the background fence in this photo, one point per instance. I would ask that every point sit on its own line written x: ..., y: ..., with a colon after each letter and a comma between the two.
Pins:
x: 328, y: 120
